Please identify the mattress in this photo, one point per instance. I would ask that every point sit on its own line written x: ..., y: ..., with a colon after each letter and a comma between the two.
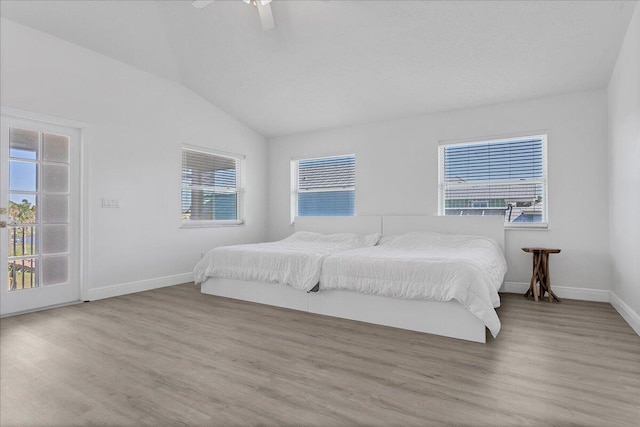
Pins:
x: 295, y: 261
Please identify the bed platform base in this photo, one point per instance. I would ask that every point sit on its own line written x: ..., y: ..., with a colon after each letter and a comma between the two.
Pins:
x: 447, y: 318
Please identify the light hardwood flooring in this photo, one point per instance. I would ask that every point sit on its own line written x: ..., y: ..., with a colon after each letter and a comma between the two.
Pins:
x: 173, y: 356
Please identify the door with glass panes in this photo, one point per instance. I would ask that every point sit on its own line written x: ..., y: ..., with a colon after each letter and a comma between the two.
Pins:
x: 39, y: 215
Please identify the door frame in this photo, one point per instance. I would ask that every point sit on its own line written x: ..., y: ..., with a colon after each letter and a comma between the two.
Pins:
x: 84, y: 213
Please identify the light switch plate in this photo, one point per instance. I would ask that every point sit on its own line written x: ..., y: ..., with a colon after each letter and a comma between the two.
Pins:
x: 110, y: 203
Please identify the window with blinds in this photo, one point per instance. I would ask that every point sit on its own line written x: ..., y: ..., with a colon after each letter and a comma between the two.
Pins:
x: 324, y: 186
x: 504, y: 177
x: 211, y: 187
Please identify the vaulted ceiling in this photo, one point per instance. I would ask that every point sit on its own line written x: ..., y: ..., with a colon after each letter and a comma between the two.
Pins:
x: 332, y: 63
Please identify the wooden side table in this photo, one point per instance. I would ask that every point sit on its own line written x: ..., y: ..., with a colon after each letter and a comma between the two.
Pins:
x: 541, y: 273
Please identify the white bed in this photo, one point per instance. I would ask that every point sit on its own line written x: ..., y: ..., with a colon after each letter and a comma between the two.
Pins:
x: 424, y: 266
x: 273, y: 289
x: 295, y: 261
x: 448, y: 318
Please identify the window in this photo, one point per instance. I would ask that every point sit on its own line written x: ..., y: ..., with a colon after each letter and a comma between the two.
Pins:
x: 323, y: 186
x: 503, y: 177
x: 211, y: 188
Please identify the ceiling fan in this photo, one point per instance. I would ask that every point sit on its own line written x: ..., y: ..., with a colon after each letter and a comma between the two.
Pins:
x: 263, y: 6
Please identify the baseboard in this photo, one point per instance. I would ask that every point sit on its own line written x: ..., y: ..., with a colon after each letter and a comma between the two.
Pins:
x: 627, y: 313
x: 139, y: 286
x: 583, y: 294
x: 35, y: 310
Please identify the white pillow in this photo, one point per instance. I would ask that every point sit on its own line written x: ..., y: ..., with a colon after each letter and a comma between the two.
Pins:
x: 302, y: 236
x: 354, y: 240
x: 426, y: 239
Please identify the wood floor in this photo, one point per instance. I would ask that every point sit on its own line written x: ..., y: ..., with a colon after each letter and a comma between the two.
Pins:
x: 176, y: 357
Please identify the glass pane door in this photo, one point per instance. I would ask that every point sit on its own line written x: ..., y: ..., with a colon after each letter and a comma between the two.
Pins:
x: 24, y: 146
x: 41, y: 233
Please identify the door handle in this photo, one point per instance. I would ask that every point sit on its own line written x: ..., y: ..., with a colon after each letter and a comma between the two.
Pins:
x: 3, y: 224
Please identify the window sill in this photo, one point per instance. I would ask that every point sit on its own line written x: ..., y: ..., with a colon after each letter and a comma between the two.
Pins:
x: 211, y: 224
x: 541, y: 226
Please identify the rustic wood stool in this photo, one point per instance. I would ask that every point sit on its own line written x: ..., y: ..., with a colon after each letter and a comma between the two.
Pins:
x: 541, y: 273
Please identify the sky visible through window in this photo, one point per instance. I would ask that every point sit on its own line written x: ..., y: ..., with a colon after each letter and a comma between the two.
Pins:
x: 22, y: 175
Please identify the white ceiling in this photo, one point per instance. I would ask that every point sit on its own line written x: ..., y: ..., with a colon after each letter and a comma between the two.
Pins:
x: 332, y: 63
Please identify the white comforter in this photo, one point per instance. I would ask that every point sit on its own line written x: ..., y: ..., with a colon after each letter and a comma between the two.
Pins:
x: 295, y: 261
x: 422, y: 265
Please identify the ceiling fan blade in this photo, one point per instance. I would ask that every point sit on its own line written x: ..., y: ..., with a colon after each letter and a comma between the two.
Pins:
x: 263, y: 2
x: 199, y: 4
x: 266, y: 17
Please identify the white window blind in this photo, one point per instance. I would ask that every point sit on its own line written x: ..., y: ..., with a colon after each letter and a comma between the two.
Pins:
x: 323, y: 186
x: 504, y: 177
x: 211, y: 187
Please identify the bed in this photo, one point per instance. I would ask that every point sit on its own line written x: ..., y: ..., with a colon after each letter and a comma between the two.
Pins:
x: 449, y: 318
x: 293, y: 267
x: 424, y: 266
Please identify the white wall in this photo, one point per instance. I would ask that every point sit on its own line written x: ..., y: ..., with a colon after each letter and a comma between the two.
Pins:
x: 397, y: 173
x: 624, y: 175
x: 137, y: 123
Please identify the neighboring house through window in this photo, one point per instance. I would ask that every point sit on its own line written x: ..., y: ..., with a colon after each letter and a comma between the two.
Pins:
x: 211, y: 187
x: 500, y: 177
x: 323, y: 186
